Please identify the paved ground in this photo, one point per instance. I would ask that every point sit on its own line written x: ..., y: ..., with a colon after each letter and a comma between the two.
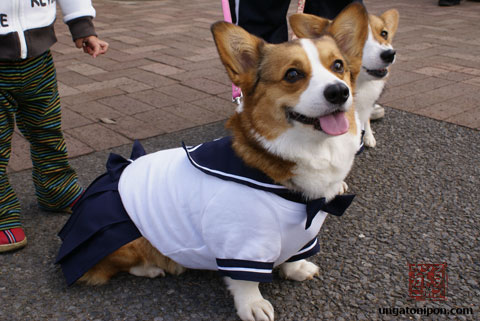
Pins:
x: 417, y: 192
x: 162, y: 72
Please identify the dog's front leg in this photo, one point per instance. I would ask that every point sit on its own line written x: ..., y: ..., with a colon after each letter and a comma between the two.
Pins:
x: 250, y: 304
x: 300, y: 270
x: 368, y: 139
x: 343, y: 188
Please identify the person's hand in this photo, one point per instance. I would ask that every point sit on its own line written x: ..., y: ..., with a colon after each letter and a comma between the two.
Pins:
x: 92, y: 45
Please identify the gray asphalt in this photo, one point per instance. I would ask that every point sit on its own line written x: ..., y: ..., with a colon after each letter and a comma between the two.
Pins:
x: 417, y: 202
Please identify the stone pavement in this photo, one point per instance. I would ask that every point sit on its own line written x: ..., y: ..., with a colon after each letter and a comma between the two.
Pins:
x: 162, y: 73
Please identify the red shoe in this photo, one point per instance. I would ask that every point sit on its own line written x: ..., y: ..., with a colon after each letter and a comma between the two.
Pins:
x: 12, y: 239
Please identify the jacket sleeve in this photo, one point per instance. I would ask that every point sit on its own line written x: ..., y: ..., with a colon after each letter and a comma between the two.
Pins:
x: 78, y: 15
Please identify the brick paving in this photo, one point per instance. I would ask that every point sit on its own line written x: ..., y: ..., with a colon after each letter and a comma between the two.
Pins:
x: 162, y: 72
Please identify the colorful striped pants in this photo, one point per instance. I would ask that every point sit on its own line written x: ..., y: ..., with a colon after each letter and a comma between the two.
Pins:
x: 29, y: 97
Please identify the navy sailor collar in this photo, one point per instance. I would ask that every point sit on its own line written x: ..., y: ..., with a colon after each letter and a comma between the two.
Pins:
x: 217, y: 158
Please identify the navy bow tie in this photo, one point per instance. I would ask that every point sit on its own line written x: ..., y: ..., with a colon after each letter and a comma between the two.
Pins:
x: 336, y: 207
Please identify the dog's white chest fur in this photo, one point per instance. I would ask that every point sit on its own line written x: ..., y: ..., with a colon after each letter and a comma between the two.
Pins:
x: 321, y: 164
x: 366, y: 95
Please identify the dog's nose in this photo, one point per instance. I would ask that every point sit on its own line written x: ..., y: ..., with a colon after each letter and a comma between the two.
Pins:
x: 337, y: 93
x: 388, y: 55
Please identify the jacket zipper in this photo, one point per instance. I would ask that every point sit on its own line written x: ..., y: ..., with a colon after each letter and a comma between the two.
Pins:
x: 20, y: 31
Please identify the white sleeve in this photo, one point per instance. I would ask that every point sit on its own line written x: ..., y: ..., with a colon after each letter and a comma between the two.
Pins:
x: 73, y: 9
x: 243, y: 233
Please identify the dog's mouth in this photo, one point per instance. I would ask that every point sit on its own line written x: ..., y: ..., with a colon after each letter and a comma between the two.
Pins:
x: 377, y: 73
x: 334, y: 124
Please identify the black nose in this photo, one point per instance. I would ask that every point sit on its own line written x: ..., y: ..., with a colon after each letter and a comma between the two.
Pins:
x: 388, y: 55
x: 337, y: 93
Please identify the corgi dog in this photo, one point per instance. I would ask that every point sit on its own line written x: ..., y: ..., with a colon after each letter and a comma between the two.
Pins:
x: 244, y: 204
x: 378, y: 56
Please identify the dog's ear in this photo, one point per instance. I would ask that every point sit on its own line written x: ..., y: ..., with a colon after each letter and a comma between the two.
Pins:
x: 391, y: 18
x: 350, y: 31
x: 239, y: 51
x: 307, y: 25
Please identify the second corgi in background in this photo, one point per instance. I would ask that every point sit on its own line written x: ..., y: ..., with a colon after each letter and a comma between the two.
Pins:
x: 378, y: 56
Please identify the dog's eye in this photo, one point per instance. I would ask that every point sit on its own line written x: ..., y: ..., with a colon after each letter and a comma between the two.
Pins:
x: 292, y: 75
x: 384, y: 34
x: 337, y: 66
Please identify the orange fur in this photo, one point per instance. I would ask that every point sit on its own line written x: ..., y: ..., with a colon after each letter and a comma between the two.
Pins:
x: 387, y: 21
x: 310, y: 26
x: 136, y: 253
x: 253, y: 155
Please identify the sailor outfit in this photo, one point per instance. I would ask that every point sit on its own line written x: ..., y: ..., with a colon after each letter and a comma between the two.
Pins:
x: 200, y: 206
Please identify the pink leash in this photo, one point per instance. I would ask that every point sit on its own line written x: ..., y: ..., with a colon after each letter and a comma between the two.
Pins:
x: 300, y: 7
x: 236, y: 92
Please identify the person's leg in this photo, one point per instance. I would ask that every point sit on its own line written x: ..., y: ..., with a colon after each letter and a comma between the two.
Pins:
x: 327, y: 8
x: 11, y: 233
x: 39, y: 119
x: 265, y: 19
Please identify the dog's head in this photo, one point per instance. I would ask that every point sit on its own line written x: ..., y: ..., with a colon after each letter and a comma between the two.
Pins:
x: 307, y: 82
x: 378, y: 53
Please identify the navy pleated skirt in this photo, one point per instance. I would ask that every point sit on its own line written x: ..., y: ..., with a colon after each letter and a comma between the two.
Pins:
x: 99, y: 224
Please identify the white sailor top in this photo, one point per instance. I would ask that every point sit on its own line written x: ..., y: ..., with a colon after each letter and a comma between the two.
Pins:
x: 205, y: 209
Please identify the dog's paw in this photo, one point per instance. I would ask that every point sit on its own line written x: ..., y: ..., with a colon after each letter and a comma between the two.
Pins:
x: 343, y: 188
x: 369, y: 140
x: 250, y: 304
x: 299, y: 271
x: 256, y: 310
x: 146, y: 271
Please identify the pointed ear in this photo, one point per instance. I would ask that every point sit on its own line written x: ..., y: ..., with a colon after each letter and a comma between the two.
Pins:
x: 239, y: 51
x: 391, y: 18
x: 307, y: 25
x: 350, y: 30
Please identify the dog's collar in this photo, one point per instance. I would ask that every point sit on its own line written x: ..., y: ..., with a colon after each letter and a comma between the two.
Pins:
x: 217, y: 158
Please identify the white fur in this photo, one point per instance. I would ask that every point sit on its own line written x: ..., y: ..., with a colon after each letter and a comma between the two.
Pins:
x: 312, y: 101
x: 323, y: 161
x: 368, y: 91
x: 299, y: 270
x: 370, y: 88
x: 248, y: 300
x: 239, y: 108
x: 149, y: 271
x: 371, y: 53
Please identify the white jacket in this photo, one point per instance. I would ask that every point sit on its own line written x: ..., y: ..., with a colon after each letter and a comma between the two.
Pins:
x: 202, y: 221
x: 27, y: 26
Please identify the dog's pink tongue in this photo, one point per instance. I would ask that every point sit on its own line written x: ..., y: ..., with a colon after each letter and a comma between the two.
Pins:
x: 334, y: 124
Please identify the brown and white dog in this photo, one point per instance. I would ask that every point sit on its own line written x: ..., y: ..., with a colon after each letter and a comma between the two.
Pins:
x: 378, y: 56
x: 296, y: 125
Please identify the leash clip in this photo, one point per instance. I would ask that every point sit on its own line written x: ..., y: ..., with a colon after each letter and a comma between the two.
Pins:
x: 237, y: 100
